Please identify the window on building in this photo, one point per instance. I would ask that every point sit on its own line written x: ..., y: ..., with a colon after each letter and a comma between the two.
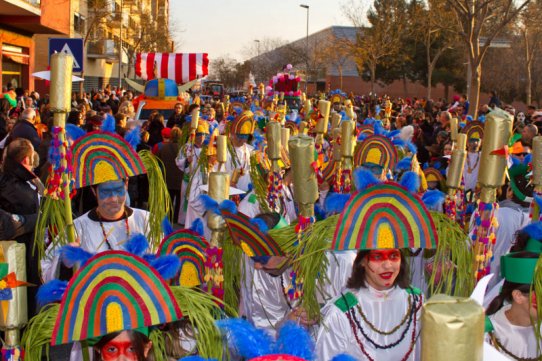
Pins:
x: 79, y: 23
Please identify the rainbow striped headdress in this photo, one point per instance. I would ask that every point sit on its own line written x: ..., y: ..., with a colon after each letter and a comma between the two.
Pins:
x: 434, y: 175
x: 191, y: 249
x: 100, y: 157
x: 474, y: 130
x: 243, y: 124
x: 366, y: 129
x: 384, y: 216
x: 376, y: 149
x: 252, y: 241
x: 113, y: 291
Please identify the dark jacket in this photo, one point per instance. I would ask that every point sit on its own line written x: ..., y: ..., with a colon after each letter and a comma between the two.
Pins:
x: 175, y: 120
x: 25, y: 129
x: 17, y: 196
x: 167, y: 153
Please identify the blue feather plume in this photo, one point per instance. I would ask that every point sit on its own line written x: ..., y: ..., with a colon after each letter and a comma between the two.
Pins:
x: 209, y: 203
x: 70, y: 256
x: 133, y: 137
x: 399, y: 142
x: 249, y: 341
x: 260, y: 224
x: 433, y: 198
x: 528, y: 159
x: 167, y: 228
x: 411, y: 181
x: 319, y: 211
x: 404, y: 164
x: 167, y: 266
x: 196, y: 358
x: 344, y: 357
x: 412, y: 147
x: 51, y: 292
x: 364, y: 179
x: 137, y: 244
x: 295, y: 340
x: 534, y: 230
x: 108, y: 124
x: 74, y: 132
x: 228, y: 206
x: 335, y: 202
x: 362, y: 136
x: 515, y: 161
x: 393, y: 133
x: 149, y: 257
x: 197, y: 226
x: 538, y: 200
x: 378, y: 128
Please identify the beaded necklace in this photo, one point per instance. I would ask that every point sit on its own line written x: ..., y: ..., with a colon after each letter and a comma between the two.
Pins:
x: 125, y: 216
x: 414, y: 306
x: 501, y: 347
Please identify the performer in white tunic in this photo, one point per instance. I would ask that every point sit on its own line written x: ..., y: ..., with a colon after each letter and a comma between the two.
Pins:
x: 513, y: 313
x: 110, y: 225
x: 378, y: 316
x: 188, y: 162
x: 241, y: 129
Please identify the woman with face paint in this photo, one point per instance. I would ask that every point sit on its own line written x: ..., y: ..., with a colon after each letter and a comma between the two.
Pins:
x: 124, y: 346
x: 377, y: 316
x: 512, y: 315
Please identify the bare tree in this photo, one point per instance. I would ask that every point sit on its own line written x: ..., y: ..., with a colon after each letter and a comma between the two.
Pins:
x: 434, y: 26
x: 478, y: 18
x: 530, y: 31
x: 373, y: 45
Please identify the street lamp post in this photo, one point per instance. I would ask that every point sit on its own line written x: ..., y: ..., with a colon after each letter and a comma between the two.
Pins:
x: 307, y: 47
x: 257, y: 41
x: 120, y: 45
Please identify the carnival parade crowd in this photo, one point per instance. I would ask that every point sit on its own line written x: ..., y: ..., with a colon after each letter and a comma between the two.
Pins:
x: 272, y: 226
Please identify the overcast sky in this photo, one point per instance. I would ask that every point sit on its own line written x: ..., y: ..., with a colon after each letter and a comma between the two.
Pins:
x: 224, y: 27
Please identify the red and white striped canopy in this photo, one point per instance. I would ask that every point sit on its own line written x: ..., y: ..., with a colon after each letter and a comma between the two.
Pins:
x: 181, y: 67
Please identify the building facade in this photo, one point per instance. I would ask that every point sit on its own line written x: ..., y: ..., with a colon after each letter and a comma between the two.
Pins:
x: 21, y: 22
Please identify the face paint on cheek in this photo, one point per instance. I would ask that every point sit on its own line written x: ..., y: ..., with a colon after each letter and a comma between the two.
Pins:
x: 533, y: 301
x: 112, y: 350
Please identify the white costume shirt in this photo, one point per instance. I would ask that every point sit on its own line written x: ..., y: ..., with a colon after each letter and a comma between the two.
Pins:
x: 385, y: 310
x: 188, y: 168
x: 263, y: 301
x: 243, y: 164
x: 90, y: 233
x: 518, y: 340
x: 250, y: 206
x: 471, y: 178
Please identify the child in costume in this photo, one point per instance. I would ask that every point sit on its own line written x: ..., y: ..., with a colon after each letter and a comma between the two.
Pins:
x: 513, y: 313
x: 378, y: 318
x: 241, y: 129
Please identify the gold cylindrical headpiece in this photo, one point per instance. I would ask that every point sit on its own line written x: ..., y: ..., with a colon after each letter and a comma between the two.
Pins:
x: 195, y: 119
x: 324, y: 106
x: 305, y: 183
x: 497, y: 131
x: 347, y: 138
x: 457, y: 163
x: 221, y: 148
x: 454, y: 123
x: 61, y: 86
x: 273, y: 136
x: 335, y: 120
x: 452, y: 323
x: 219, y: 190
x: 285, y: 137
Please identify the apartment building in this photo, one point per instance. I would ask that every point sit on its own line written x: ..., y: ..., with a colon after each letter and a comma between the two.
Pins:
x: 20, y: 22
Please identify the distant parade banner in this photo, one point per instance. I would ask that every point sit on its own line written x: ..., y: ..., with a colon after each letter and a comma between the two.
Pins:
x: 181, y: 67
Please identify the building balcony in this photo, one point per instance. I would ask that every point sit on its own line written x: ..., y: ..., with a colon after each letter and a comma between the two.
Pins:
x: 36, y: 16
x: 103, y: 49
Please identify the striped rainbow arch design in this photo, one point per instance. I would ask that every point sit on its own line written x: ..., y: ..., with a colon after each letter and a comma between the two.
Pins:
x: 100, y: 157
x: 114, y: 291
x: 366, y: 129
x: 191, y: 249
x: 246, y: 235
x: 376, y: 149
x: 384, y: 216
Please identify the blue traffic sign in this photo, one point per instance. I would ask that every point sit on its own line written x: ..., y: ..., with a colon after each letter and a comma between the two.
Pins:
x: 74, y: 47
